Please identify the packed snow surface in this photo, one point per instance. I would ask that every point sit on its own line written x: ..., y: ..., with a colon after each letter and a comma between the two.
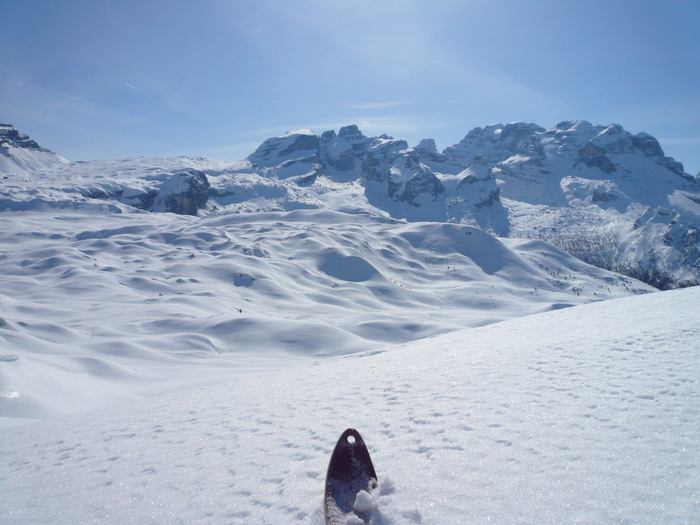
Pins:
x: 585, y: 415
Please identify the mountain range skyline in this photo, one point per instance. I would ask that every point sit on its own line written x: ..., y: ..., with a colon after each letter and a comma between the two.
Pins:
x: 117, y: 79
x: 610, y: 198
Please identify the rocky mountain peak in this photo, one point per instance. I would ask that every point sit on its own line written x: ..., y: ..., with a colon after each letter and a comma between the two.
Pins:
x: 614, y: 139
x: 497, y: 142
x: 647, y: 145
x: 11, y: 137
x: 426, y: 146
x: 294, y: 145
x: 21, y: 154
x: 352, y: 134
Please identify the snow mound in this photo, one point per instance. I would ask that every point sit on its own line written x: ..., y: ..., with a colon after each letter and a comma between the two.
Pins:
x: 99, y: 307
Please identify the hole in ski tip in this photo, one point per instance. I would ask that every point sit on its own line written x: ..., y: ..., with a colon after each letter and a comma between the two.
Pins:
x: 351, y: 439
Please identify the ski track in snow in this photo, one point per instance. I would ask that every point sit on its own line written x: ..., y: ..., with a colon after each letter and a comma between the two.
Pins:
x: 585, y: 415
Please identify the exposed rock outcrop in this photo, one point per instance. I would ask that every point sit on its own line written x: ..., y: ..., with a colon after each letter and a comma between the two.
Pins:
x: 19, y: 154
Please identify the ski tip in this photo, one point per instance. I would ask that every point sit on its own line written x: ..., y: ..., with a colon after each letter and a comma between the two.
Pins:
x: 350, y: 475
x: 350, y: 457
x: 351, y: 436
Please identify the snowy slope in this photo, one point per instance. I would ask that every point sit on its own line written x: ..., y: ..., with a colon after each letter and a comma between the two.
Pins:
x: 608, y: 197
x: 587, y: 415
x: 122, y: 280
x: 102, y: 302
x: 19, y: 155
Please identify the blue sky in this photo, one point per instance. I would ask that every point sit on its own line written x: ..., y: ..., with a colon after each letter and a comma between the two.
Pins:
x: 105, y: 79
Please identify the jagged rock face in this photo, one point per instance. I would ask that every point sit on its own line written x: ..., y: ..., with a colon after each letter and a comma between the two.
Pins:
x: 11, y: 137
x: 21, y: 154
x: 295, y: 155
x: 344, y: 151
x: 338, y: 152
x: 647, y: 145
x: 429, y: 155
x: 426, y: 147
x: 353, y: 136
x: 614, y: 140
x: 594, y: 157
x: 193, y: 196
x: 411, y: 181
x: 392, y: 162
x: 598, y: 144
x: 380, y: 156
x: 679, y: 248
x: 497, y: 142
x: 569, y: 135
x: 295, y: 145
x: 422, y: 183
x: 184, y: 192
x: 478, y: 185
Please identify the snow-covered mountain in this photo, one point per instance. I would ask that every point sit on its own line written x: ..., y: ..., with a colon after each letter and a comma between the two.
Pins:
x: 20, y: 155
x: 606, y: 196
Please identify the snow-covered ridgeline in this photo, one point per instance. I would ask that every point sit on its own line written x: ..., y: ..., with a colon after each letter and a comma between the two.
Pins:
x: 604, y: 195
x: 586, y: 415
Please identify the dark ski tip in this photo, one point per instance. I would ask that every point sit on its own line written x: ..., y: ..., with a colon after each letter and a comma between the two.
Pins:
x: 350, y: 471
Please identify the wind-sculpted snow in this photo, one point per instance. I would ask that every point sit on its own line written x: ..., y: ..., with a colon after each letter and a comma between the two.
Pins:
x: 588, y: 415
x: 601, y: 193
x: 100, y: 306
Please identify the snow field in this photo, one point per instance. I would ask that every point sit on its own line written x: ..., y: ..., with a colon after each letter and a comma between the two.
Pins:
x: 585, y: 415
x: 99, y: 308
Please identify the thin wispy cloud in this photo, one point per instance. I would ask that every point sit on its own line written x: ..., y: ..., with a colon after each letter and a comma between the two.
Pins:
x: 55, y: 105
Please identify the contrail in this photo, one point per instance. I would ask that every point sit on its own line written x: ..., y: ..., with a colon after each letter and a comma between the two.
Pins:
x: 135, y: 89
